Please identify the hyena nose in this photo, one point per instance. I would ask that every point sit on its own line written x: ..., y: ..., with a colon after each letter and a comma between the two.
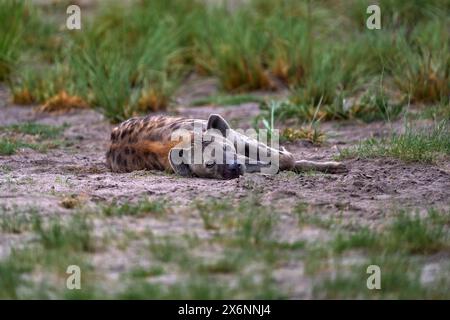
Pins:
x: 235, y: 168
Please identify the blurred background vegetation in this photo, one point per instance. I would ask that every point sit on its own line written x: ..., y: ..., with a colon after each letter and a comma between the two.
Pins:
x: 130, y: 57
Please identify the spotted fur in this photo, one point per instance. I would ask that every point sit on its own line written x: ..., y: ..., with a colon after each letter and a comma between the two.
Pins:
x: 145, y: 143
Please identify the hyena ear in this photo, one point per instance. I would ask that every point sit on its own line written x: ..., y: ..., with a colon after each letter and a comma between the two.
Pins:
x: 215, y: 121
x: 177, y: 160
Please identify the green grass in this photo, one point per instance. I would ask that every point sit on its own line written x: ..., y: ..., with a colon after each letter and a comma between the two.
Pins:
x: 397, y: 14
x: 255, y: 225
x: 108, y: 75
x: 51, y: 265
x: 171, y: 250
x: 58, y: 244
x: 311, y: 133
x: 251, y: 223
x: 421, y: 70
x: 43, y: 131
x: 12, y: 14
x: 36, y: 85
x: 400, y: 279
x: 373, y: 105
x: 417, y: 235
x: 131, y: 59
x: 408, y: 233
x: 75, y: 235
x: 400, y: 249
x: 227, y: 100
x: 228, y: 48
x: 415, y: 60
x: 11, y: 271
x: 307, y: 216
x: 10, y: 146
x: 5, y: 168
x: 436, y: 112
x: 362, y: 239
x: 204, y: 288
x: 225, y: 265
x: 350, y: 282
x: 35, y: 72
x: 238, y: 258
x: 139, y: 209
x: 41, y: 137
x: 414, y: 145
x: 15, y: 223
x: 142, y: 272
x: 134, y: 69
x: 244, y: 234
x: 200, y: 277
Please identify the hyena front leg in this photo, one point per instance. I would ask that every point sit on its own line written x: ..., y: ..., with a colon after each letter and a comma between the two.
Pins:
x: 285, y: 160
x: 328, y: 166
x: 288, y: 164
x: 259, y: 157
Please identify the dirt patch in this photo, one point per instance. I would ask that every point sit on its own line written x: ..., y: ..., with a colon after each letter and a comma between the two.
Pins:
x: 370, y: 185
x: 366, y: 195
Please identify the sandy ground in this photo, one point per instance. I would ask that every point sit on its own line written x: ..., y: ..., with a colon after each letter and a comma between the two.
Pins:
x: 369, y: 187
x: 364, y: 195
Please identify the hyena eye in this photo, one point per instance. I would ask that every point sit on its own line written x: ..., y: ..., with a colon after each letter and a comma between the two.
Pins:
x: 210, y: 164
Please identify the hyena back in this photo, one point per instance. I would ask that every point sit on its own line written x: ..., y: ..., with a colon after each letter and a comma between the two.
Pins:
x: 144, y: 143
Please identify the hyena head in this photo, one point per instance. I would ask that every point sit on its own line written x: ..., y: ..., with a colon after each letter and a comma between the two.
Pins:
x: 206, y: 154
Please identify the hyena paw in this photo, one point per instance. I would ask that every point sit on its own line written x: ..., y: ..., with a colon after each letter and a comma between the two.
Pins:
x: 287, y: 161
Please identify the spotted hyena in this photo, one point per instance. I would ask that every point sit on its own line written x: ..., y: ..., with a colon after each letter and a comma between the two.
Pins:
x: 200, y: 148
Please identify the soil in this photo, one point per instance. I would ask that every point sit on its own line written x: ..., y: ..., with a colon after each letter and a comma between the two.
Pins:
x: 365, y: 195
x: 368, y: 187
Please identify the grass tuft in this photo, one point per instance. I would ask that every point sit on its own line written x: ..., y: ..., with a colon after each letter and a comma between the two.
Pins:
x: 43, y: 131
x: 414, y: 145
x: 227, y: 100
x: 12, y: 15
x: 28, y: 135
x: 408, y: 233
x: 63, y: 102
x: 76, y: 235
x: 10, y: 146
x: 139, y: 209
x: 310, y: 133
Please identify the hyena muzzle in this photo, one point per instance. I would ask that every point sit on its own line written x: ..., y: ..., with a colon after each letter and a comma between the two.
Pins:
x: 200, y: 148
